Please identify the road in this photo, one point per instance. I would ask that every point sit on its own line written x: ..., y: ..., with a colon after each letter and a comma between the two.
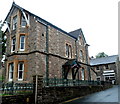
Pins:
x: 109, y: 96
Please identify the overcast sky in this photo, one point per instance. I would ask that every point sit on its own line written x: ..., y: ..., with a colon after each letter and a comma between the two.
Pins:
x: 97, y: 18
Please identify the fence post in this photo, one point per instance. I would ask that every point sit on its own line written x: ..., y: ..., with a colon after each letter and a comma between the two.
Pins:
x: 37, y: 88
x: 12, y: 87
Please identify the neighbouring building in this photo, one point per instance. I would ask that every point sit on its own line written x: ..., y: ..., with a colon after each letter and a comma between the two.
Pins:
x: 37, y: 47
x: 106, y: 68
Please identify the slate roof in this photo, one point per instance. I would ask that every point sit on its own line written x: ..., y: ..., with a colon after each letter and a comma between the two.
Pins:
x: 73, y: 34
x: 76, y: 33
x: 104, y: 60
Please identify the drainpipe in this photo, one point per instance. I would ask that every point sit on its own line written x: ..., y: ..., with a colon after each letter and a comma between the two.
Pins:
x: 76, y: 50
x: 88, y: 68
x: 76, y: 55
x: 47, y: 57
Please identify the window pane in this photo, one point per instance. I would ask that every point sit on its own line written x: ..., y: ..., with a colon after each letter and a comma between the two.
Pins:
x: 13, y: 44
x: 15, y: 22
x: 70, y: 51
x: 82, y: 74
x: 23, y: 21
x: 22, y: 39
x: 20, y: 74
x: 21, y: 66
x: 11, y: 68
x: 20, y: 71
x: 22, y: 45
x: 22, y: 42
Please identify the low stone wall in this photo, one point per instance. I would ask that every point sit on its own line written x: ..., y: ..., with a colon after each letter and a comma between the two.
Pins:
x: 18, y: 99
x: 53, y: 95
x: 59, y: 94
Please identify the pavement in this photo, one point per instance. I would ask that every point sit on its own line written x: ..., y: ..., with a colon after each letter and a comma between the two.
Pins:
x: 109, y: 96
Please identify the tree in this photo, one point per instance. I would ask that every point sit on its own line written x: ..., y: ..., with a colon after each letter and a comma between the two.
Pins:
x: 2, y: 40
x: 101, y: 54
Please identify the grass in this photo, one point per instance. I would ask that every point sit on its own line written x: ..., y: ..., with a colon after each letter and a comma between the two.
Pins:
x: 1, y: 78
x: 17, y: 93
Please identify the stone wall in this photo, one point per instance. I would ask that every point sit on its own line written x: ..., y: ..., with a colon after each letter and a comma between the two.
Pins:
x: 18, y: 99
x: 45, y: 95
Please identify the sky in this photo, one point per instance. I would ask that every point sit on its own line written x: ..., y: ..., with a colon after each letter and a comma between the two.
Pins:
x: 97, y: 18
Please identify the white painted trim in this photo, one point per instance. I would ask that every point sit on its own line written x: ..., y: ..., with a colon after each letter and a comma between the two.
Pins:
x: 109, y: 74
x: 108, y: 71
x: 8, y: 26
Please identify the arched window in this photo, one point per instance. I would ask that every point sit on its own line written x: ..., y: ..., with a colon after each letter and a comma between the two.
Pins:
x: 68, y: 51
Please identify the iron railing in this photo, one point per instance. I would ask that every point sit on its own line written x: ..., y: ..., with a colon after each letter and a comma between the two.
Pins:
x: 16, y: 88
x: 70, y: 82
x: 24, y: 88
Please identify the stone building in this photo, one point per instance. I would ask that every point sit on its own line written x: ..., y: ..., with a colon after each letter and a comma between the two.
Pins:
x: 106, y: 68
x: 35, y: 46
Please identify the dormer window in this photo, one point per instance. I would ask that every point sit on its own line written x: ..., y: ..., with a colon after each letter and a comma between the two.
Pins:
x: 24, y: 20
x: 14, y: 22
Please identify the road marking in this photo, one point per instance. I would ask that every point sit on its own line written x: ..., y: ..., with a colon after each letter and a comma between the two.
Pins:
x: 73, y: 99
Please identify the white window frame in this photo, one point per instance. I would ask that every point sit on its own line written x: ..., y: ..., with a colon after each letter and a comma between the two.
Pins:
x: 11, y: 71
x: 12, y: 44
x: 14, y: 25
x: 19, y: 70
x: 22, y: 42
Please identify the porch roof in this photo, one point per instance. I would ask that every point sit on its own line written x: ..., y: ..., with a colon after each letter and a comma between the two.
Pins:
x: 70, y: 62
